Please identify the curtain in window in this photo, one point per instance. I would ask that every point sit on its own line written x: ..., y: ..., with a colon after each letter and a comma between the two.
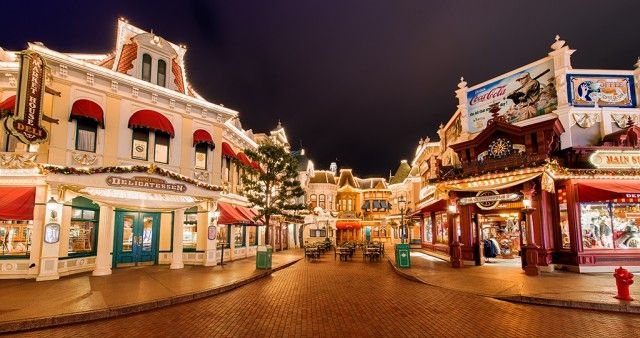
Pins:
x: 86, y: 140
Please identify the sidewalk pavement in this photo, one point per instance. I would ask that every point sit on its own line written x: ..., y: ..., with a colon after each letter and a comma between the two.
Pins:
x: 27, y: 304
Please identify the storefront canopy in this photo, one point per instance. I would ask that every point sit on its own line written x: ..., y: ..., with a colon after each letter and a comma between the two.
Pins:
x: 226, y: 150
x: 435, y: 205
x: 244, y: 159
x: 203, y: 136
x: 605, y: 190
x: 16, y: 203
x: 230, y: 215
x: 87, y: 109
x: 249, y: 214
x: 348, y: 224
x: 8, y: 105
x: 149, y: 119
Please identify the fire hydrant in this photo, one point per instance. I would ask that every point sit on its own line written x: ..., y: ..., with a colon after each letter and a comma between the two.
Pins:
x: 624, y: 278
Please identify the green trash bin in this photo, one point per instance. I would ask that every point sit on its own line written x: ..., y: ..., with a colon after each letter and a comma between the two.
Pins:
x: 263, y: 257
x: 403, y: 255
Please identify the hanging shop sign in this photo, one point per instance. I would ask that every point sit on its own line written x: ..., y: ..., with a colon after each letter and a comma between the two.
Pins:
x: 145, y: 182
x: 489, y: 199
x: 615, y: 159
x: 25, y: 124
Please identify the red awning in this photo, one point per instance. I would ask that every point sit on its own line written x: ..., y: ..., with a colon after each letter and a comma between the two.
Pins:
x: 605, y: 190
x: 149, y: 119
x: 256, y: 166
x: 248, y: 214
x: 226, y: 150
x: 9, y: 104
x: 16, y: 203
x: 439, y: 205
x: 230, y: 215
x: 244, y: 159
x: 87, y: 109
x: 348, y: 224
x: 203, y: 136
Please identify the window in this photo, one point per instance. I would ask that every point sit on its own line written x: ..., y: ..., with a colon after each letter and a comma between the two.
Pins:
x: 190, y: 230
x: 238, y: 235
x: 201, y: 156
x: 161, y: 148
x: 162, y: 73
x: 321, y: 201
x: 86, y: 132
x: 10, y: 143
x: 442, y: 228
x: 610, y: 225
x: 252, y: 235
x: 314, y: 200
x: 140, y: 144
x: 226, y: 165
x: 146, y: 67
x: 428, y: 230
x: 331, y: 203
x: 223, y: 236
x: 15, y: 238
x: 83, y: 231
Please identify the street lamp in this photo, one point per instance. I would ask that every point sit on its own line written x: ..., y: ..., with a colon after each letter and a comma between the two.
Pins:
x: 531, y: 249
x: 456, y: 250
x: 402, y: 204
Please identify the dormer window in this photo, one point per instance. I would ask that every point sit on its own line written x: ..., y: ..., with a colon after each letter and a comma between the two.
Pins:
x: 162, y: 73
x: 146, y: 67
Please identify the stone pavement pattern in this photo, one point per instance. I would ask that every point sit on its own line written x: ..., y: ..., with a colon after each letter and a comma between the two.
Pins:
x: 330, y: 298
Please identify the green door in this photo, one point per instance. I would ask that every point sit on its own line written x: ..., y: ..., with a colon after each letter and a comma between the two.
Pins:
x: 136, y: 238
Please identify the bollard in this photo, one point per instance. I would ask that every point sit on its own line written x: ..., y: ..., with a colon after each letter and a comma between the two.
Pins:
x: 624, y: 278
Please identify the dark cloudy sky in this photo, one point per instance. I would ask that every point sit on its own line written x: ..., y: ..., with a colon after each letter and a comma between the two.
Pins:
x: 359, y: 82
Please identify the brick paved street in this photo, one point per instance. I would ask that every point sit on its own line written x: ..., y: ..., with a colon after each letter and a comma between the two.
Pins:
x: 330, y: 298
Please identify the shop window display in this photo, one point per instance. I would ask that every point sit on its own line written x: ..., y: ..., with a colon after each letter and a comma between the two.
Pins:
x: 82, y: 231
x: 190, y: 231
x: 442, y: 228
x: 238, y: 235
x: 15, y: 238
x: 610, y: 225
x: 428, y: 230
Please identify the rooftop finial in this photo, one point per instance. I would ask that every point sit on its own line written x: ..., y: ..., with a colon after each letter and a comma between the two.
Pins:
x: 558, y: 44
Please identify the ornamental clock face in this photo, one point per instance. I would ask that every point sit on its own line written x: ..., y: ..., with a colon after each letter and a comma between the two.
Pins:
x: 500, y: 148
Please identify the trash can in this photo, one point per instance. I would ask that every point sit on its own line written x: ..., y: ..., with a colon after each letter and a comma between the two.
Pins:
x: 263, y: 257
x: 403, y: 255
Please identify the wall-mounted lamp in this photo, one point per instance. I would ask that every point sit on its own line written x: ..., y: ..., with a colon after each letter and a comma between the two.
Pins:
x: 52, y: 202
x: 452, y: 208
x: 214, y: 215
x: 526, y: 203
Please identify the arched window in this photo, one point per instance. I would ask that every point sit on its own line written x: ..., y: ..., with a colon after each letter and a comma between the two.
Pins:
x: 321, y: 201
x: 314, y: 200
x: 146, y: 67
x: 162, y: 73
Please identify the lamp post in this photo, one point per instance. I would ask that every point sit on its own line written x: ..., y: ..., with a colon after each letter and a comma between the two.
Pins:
x: 402, y: 204
x: 531, y: 249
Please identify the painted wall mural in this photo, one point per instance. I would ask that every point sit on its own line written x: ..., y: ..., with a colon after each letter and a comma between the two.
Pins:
x: 605, y: 90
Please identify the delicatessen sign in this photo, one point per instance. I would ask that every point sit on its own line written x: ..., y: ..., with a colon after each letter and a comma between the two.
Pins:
x: 145, y: 183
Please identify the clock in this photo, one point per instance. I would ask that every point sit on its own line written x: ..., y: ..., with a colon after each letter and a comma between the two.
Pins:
x: 500, y: 148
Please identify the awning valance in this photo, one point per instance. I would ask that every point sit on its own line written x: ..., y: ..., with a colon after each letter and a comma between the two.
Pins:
x: 366, y: 205
x: 244, y: 159
x: 492, y: 183
x: 226, y: 150
x: 230, y: 215
x: 16, y: 203
x: 606, y: 190
x: 348, y: 224
x: 87, y: 109
x: 149, y: 119
x: 8, y: 105
x: 203, y: 136
x: 249, y: 215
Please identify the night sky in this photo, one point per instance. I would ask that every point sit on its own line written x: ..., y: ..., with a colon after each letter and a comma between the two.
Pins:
x: 356, y: 82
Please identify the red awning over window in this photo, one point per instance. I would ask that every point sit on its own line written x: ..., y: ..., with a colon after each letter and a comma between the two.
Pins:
x: 16, y: 203
x: 244, y: 159
x: 149, y: 119
x: 230, y: 215
x: 203, y: 136
x: 9, y: 104
x: 87, y: 109
x: 348, y: 224
x: 248, y: 214
x: 605, y: 190
x: 226, y: 150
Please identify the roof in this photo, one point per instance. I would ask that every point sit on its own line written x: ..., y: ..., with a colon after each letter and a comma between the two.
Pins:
x: 401, y: 173
x: 322, y: 176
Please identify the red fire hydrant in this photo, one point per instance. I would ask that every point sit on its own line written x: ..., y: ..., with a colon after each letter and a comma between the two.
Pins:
x: 624, y: 278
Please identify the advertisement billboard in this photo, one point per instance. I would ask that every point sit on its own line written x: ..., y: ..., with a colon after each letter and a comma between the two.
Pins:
x: 605, y: 90
x: 521, y: 95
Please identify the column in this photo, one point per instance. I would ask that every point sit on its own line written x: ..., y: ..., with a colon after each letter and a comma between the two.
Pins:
x: 50, y: 239
x: 105, y: 241
x: 178, y: 229
x: 211, y: 243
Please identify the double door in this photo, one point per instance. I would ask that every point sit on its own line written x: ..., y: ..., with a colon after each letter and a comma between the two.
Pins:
x: 136, y: 238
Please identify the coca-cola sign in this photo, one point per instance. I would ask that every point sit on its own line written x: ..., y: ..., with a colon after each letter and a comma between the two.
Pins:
x: 25, y: 124
x: 524, y: 93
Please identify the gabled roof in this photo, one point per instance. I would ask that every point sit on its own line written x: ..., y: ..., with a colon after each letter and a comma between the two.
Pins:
x: 372, y: 183
x: 346, y: 178
x: 323, y: 176
x: 401, y: 173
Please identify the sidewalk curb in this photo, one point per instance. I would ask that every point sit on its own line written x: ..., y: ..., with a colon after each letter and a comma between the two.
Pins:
x: 80, y: 317
x: 624, y: 306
